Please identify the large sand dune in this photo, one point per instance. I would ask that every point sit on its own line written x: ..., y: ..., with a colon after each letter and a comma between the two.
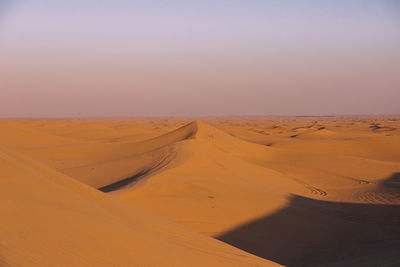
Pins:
x: 49, y: 219
x: 295, y: 192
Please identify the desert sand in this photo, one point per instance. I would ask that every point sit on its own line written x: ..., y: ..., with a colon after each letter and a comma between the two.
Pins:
x: 214, y: 192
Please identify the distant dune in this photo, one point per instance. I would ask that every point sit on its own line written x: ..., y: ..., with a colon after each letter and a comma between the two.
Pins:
x: 296, y: 192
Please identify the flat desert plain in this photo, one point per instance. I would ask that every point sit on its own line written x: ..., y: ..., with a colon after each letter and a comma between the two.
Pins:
x: 214, y: 192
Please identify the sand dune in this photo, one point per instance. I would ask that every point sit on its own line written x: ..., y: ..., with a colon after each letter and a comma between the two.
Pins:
x: 17, y: 135
x: 49, y: 219
x: 222, y: 171
x: 101, y: 164
x: 295, y: 192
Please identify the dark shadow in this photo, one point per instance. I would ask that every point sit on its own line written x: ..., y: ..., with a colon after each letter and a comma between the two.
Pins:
x: 389, y: 189
x: 393, y: 181
x: 378, y: 127
x: 310, y: 232
x: 124, y: 182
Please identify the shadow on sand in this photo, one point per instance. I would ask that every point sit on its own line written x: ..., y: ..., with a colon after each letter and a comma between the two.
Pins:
x: 124, y: 182
x: 310, y: 232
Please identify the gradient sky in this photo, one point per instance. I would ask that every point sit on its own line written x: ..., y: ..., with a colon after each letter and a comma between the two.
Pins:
x: 70, y: 58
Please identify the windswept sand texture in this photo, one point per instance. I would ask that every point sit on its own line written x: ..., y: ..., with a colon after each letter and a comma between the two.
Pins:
x: 295, y: 192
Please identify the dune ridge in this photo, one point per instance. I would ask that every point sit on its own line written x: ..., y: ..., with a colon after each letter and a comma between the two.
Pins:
x: 49, y: 219
x: 298, y: 193
x: 261, y: 174
x: 102, y: 164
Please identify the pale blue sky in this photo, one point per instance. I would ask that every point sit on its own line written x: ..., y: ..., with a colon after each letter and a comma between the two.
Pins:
x: 150, y: 58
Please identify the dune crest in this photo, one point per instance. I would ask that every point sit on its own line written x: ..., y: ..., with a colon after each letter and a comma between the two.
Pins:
x: 50, y: 220
x: 295, y: 192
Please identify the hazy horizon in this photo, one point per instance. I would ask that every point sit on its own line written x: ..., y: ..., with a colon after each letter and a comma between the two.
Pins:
x: 186, y: 58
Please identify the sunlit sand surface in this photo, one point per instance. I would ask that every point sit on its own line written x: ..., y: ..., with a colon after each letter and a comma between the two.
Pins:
x: 213, y: 192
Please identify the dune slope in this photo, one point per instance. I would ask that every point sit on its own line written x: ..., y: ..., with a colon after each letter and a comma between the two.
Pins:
x: 50, y: 220
x: 226, y: 184
x: 101, y: 164
x: 294, y: 192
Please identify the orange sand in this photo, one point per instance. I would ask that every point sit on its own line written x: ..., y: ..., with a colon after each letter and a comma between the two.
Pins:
x: 293, y: 192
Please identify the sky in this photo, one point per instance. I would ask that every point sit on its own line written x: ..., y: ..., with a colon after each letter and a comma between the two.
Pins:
x: 87, y: 58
